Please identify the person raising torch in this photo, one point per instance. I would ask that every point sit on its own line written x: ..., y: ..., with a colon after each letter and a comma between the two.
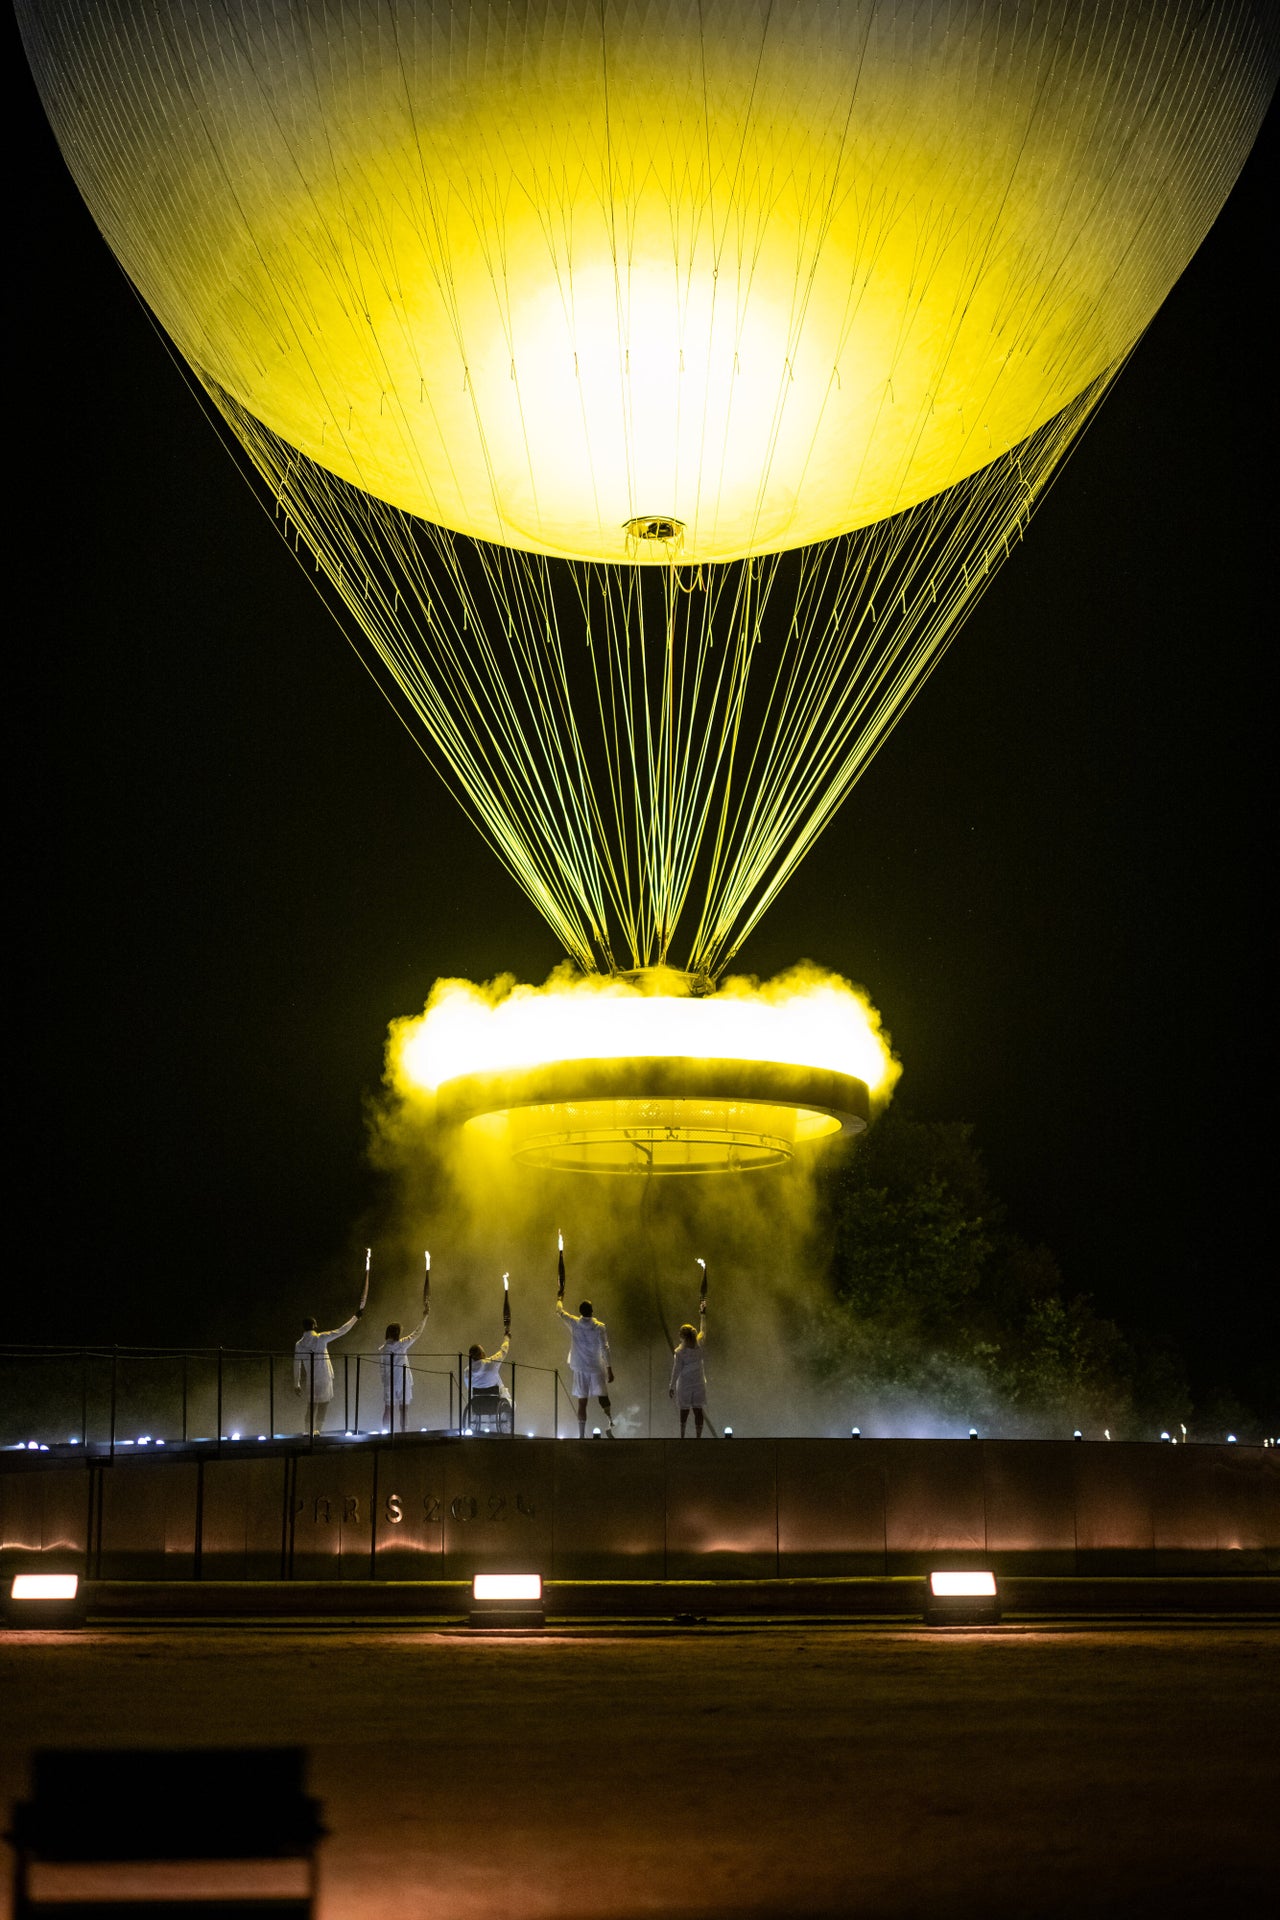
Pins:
x: 484, y: 1370
x: 312, y: 1367
x: 393, y: 1359
x: 588, y: 1356
x: 688, y: 1367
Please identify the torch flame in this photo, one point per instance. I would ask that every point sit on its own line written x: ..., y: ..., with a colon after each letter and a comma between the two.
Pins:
x: 803, y: 1018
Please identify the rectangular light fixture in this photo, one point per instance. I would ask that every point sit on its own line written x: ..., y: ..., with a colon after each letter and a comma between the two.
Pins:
x: 507, y: 1586
x: 44, y: 1586
x: 968, y: 1597
x: 954, y: 1586
x: 43, y: 1600
x: 507, y: 1600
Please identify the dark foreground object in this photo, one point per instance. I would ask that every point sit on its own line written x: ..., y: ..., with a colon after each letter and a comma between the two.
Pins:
x: 727, y: 1773
x: 93, y: 1817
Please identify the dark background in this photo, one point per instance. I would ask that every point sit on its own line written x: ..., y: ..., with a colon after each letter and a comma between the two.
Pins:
x: 233, y: 866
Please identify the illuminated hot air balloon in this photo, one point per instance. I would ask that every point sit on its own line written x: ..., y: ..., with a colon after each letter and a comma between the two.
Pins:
x: 657, y: 386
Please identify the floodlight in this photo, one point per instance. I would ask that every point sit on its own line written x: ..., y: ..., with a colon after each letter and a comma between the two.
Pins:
x: 953, y: 1586
x: 1076, y: 1434
x: 44, y: 1600
x: 966, y: 1597
x: 728, y: 1433
x: 506, y: 1600
x: 507, y: 1586
x: 973, y: 1433
x: 44, y: 1586
x: 855, y: 1433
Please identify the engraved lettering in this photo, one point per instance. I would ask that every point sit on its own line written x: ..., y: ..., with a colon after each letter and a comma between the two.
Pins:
x: 497, y: 1506
x: 395, y: 1512
x: 322, y: 1501
x: 351, y: 1510
x: 430, y: 1507
x: 464, y: 1506
x: 526, y: 1507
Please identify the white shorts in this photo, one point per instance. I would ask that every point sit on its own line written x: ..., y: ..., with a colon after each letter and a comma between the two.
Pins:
x: 590, y: 1385
x: 692, y: 1393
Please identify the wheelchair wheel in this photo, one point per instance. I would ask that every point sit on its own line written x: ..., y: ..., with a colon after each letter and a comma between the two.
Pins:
x: 504, y: 1416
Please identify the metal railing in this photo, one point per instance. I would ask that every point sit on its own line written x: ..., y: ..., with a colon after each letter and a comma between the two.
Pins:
x: 109, y: 1399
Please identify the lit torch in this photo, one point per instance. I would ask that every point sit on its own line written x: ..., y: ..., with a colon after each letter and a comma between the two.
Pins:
x: 506, y: 1303
x: 364, y: 1297
x: 560, y: 1288
x: 702, y: 1291
x: 426, y: 1286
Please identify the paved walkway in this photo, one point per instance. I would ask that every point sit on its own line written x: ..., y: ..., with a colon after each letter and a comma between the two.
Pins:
x: 716, y: 1772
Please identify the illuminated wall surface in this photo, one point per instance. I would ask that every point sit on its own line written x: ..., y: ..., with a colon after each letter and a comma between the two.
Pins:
x: 530, y: 271
x: 747, y: 1509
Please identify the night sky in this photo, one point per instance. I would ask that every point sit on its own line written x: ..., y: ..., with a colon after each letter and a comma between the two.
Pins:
x: 234, y: 866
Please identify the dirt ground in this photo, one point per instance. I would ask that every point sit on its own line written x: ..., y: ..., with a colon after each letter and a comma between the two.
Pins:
x: 720, y: 1771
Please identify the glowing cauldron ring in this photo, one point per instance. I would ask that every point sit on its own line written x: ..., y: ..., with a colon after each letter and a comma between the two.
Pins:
x: 597, y: 1119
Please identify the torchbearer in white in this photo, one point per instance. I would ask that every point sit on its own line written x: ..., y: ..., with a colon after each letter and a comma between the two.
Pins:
x: 589, y: 1359
x: 688, y: 1366
x: 312, y: 1367
x: 393, y: 1358
x: 484, y: 1370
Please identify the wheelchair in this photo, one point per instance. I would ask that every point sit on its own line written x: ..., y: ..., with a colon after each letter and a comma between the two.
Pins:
x: 488, y: 1411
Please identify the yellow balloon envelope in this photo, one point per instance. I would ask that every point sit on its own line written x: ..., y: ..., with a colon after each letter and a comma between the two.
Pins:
x: 746, y: 275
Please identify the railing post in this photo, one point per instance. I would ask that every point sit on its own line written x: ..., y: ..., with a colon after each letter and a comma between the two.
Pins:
x: 184, y: 1397
x: 115, y: 1357
x: 462, y: 1404
x: 355, y: 1425
x: 346, y: 1392
x: 219, y: 1403
x: 84, y: 1400
x: 311, y: 1405
x: 556, y: 1401
x: 271, y: 1395
x: 513, y: 1399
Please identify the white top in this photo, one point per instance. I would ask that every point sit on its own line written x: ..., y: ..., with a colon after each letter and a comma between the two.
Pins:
x: 311, y: 1358
x: 588, y: 1342
x: 688, y: 1364
x: 487, y: 1372
x: 393, y: 1359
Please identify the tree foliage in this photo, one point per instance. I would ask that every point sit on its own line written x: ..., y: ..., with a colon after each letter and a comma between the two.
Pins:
x: 935, y: 1298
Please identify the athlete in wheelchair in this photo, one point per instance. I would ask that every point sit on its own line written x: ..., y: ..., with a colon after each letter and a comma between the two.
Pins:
x: 489, y: 1407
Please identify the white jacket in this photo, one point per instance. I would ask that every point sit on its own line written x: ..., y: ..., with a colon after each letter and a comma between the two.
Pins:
x: 588, y: 1342
x: 688, y: 1363
x: 312, y: 1367
x: 397, y: 1373
x: 488, y: 1372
